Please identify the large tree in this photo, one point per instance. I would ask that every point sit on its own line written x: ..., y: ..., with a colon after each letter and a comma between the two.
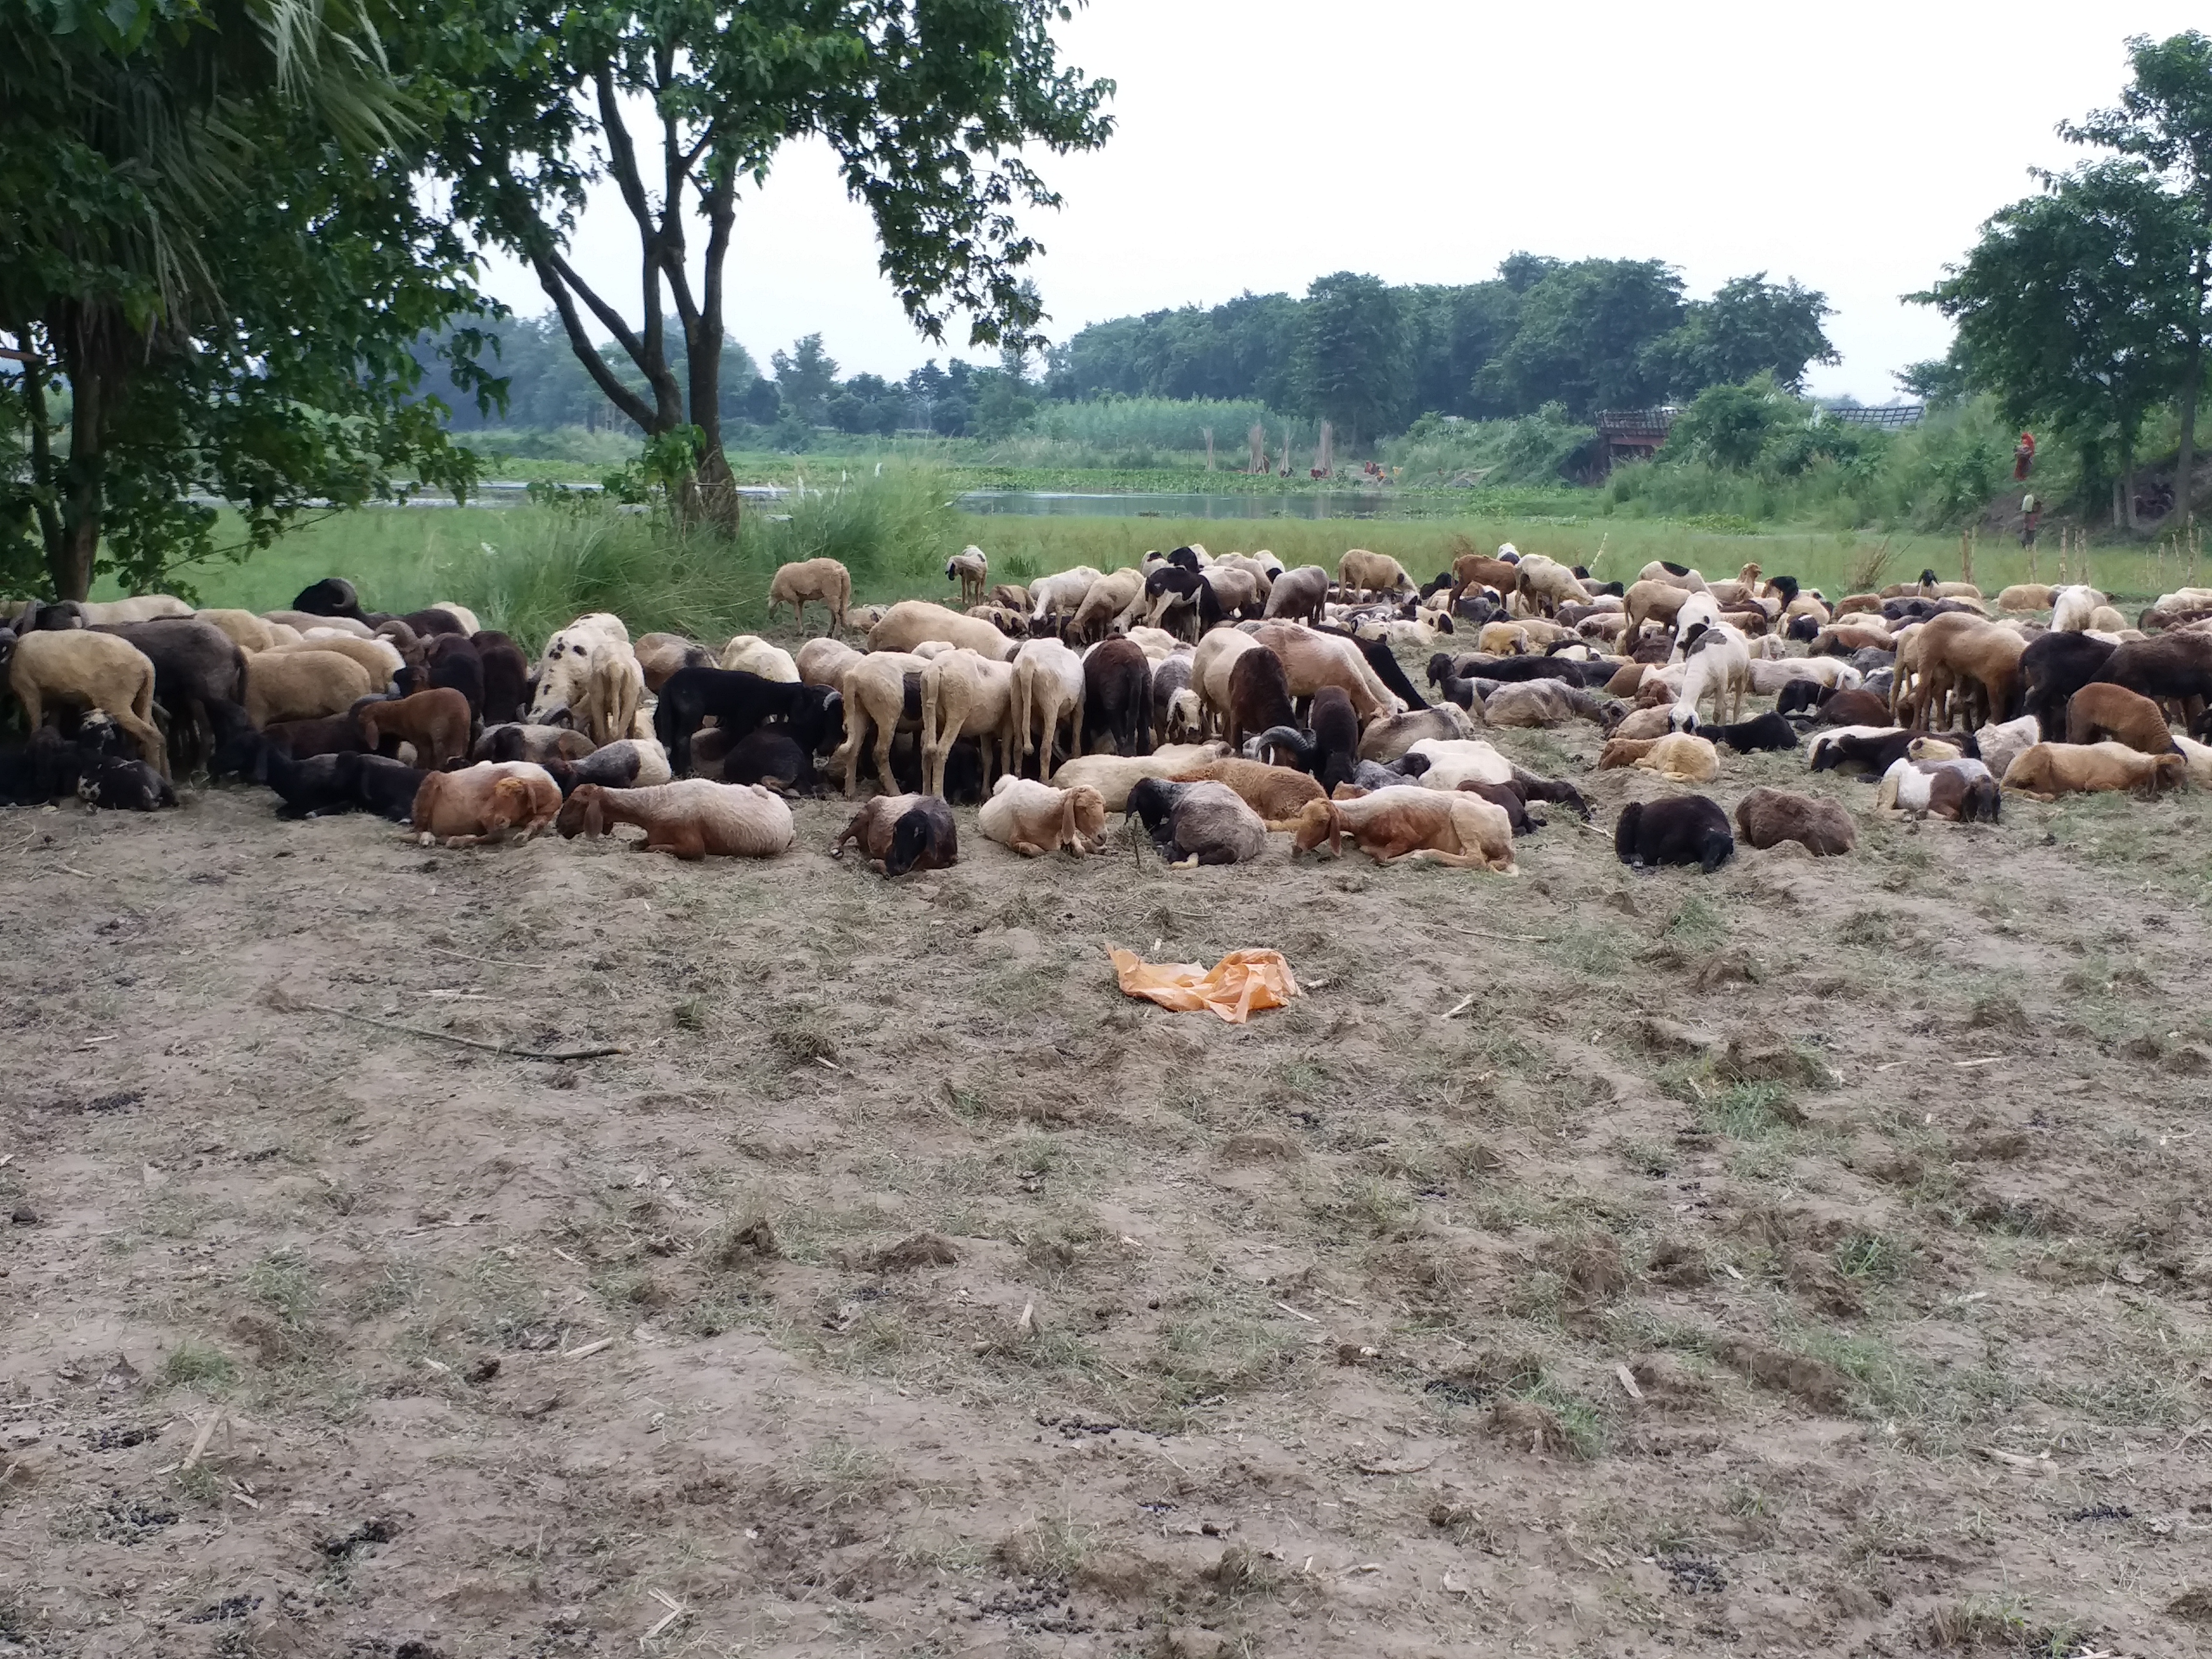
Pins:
x: 1749, y: 327
x: 212, y: 263
x: 1352, y: 358
x: 2165, y: 120
x: 682, y: 104
x: 2072, y: 308
x: 1585, y: 337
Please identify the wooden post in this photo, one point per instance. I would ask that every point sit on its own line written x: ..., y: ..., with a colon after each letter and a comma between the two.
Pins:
x: 1966, y: 555
x: 1257, y: 437
x: 1208, y: 431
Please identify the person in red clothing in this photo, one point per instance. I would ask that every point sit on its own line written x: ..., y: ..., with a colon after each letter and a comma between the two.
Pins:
x: 2023, y: 457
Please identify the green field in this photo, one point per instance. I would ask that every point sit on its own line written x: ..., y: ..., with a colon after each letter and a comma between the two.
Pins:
x: 402, y: 558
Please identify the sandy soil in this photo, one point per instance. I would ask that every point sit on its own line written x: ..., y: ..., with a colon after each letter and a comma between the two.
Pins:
x: 1809, y: 1259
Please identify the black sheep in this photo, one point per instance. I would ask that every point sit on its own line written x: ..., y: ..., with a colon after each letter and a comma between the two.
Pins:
x: 387, y: 787
x: 329, y: 734
x: 926, y: 837
x: 1677, y: 829
x: 1384, y: 661
x: 773, y: 758
x: 1117, y: 695
x: 1258, y: 695
x: 506, y: 676
x: 44, y: 768
x: 1798, y: 697
x: 195, y: 663
x: 1185, y: 558
x: 1767, y: 730
x: 742, y: 703
x: 333, y: 596
x: 1330, y: 750
x: 309, y: 788
x: 454, y: 662
x: 1505, y: 796
x: 1199, y: 600
x: 2171, y: 667
x: 1556, y: 791
x: 1802, y: 630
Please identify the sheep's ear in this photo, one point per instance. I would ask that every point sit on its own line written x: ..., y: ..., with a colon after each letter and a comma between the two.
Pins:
x: 1335, y: 831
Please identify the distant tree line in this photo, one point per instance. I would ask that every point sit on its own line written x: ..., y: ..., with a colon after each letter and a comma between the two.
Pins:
x: 1587, y: 334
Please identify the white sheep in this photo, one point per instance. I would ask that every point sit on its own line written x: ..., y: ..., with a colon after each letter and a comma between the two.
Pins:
x: 752, y: 654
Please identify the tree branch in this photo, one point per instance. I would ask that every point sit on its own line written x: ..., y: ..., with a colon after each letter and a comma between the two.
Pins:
x: 616, y: 323
x: 551, y: 279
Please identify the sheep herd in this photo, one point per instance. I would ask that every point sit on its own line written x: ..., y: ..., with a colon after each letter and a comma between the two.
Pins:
x: 1218, y: 700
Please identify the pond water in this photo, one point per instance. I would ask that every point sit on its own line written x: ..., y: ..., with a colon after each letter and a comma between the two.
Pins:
x: 1286, y: 504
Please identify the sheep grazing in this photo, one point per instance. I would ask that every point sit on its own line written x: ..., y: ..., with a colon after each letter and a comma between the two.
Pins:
x: 485, y: 802
x: 2101, y: 710
x: 1545, y: 585
x: 1679, y: 757
x: 1300, y: 595
x: 900, y: 834
x: 196, y: 664
x: 1276, y: 792
x: 1117, y: 679
x: 1058, y: 595
x: 301, y: 685
x: 1455, y: 829
x: 2049, y: 770
x: 2072, y: 608
x: 749, y: 654
x: 1198, y: 822
x: 590, y: 669
x: 1360, y: 571
x: 1328, y: 751
x: 825, y: 581
x: 690, y: 819
x: 1765, y: 817
x: 1034, y: 818
x: 2027, y: 596
x: 968, y: 567
x: 97, y: 670
x: 1678, y: 830
x: 436, y: 722
x: 1959, y: 789
x: 2174, y: 668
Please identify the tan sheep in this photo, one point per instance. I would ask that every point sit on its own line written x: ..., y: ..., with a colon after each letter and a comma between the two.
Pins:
x: 965, y: 694
x: 1034, y: 818
x: 911, y: 622
x: 98, y: 670
x: 245, y: 630
x: 1361, y: 572
x: 1048, y: 690
x: 145, y: 607
x: 749, y: 654
x: 690, y: 819
x: 1679, y: 757
x: 659, y: 656
x: 301, y: 685
x: 973, y: 570
x: 824, y: 580
x: 380, y: 660
x: 2049, y: 770
x: 1115, y: 775
x: 823, y: 661
x: 1277, y: 794
x: 302, y: 621
x: 1312, y: 660
x: 874, y: 691
x: 1111, y: 604
x: 1456, y: 828
x: 484, y: 802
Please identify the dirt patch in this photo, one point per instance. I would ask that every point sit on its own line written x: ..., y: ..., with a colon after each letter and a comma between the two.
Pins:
x: 1744, y: 1268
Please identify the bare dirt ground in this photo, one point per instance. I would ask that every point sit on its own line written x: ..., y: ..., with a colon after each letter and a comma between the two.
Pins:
x: 1809, y: 1259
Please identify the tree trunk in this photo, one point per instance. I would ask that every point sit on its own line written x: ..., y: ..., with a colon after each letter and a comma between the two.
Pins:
x: 2182, y: 463
x: 70, y: 560
x: 39, y: 420
x: 703, y: 328
x: 2119, y: 501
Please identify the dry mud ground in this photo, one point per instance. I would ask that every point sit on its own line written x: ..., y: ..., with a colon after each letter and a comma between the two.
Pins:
x: 902, y: 1289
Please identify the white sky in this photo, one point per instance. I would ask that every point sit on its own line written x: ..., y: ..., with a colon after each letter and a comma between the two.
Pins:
x: 1855, y: 148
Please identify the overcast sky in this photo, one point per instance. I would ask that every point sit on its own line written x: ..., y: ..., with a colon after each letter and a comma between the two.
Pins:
x: 1853, y: 147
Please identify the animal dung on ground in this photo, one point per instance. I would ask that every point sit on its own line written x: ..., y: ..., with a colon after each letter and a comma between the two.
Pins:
x: 1235, y: 987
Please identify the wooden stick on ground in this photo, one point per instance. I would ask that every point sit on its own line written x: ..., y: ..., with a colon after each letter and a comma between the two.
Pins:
x: 506, y: 1049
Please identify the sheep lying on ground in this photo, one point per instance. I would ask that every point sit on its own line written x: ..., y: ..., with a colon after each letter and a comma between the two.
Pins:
x: 1679, y: 757
x: 483, y: 802
x: 515, y: 741
x: 1200, y: 823
x: 1448, y: 764
x: 1961, y: 790
x: 1767, y: 730
x: 1034, y: 818
x: 1540, y: 703
x: 1277, y: 794
x: 1680, y: 829
x: 625, y: 763
x: 2001, y: 745
x: 824, y: 580
x: 690, y: 819
x: 1765, y: 817
x: 900, y: 833
x: 1115, y: 775
x: 2051, y: 770
x: 1455, y: 829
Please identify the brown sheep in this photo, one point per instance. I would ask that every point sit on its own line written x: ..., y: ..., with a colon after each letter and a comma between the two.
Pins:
x: 1455, y: 829
x: 1277, y: 794
x: 1361, y: 572
x: 2103, y: 710
x: 1654, y: 601
x: 824, y: 580
x: 105, y: 673
x: 1679, y: 757
x: 1479, y: 570
x: 688, y: 818
x: 437, y: 722
x: 659, y: 655
x: 2048, y: 770
x: 301, y: 685
x: 1964, y: 657
x: 377, y: 658
x: 1765, y: 817
x: 482, y: 803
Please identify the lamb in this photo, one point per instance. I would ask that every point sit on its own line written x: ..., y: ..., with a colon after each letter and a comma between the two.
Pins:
x: 1197, y: 824
x: 118, y: 784
x: 1540, y: 703
x: 1874, y: 747
x: 970, y: 568
x: 911, y: 622
x: 481, y: 802
x: 1170, y: 674
x: 659, y: 655
x: 739, y: 702
x: 1642, y: 724
x: 1454, y: 829
x: 1767, y: 817
x: 437, y: 722
x: 1679, y: 757
x: 901, y: 834
x: 1959, y: 789
x: 1385, y: 740
x: 2049, y: 770
x: 2102, y: 710
x: 1677, y: 829
x: 506, y: 674
x: 962, y: 692
x: 1034, y: 818
x: 98, y: 670
x: 1117, y: 700
x: 1276, y: 792
x: 824, y: 580
x: 512, y: 740
x: 749, y: 654
x: 1505, y: 798
x: 1300, y: 595
x: 690, y: 819
x: 1362, y: 572
x: 1454, y: 688
x: 1115, y: 775
x: 1049, y: 685
x: 1012, y: 596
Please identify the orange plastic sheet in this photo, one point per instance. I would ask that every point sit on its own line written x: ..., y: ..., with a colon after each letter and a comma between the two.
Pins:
x: 1233, y: 988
